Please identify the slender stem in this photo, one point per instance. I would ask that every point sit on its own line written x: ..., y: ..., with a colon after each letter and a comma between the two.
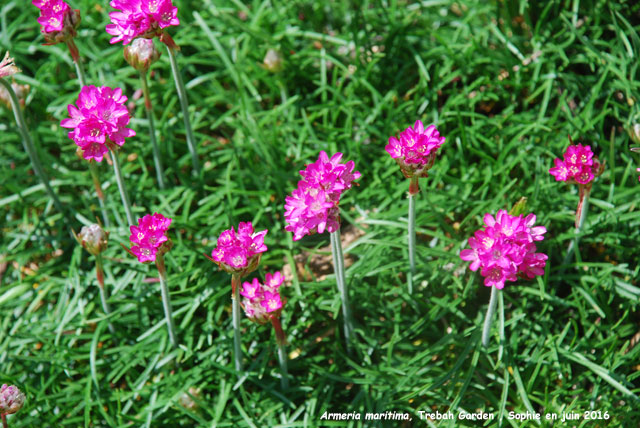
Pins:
x: 4, y: 421
x: 121, y: 187
x: 581, y: 212
x: 77, y: 61
x: 152, y: 130
x: 281, y: 340
x: 338, y: 263
x: 412, y: 240
x: 29, y: 147
x: 184, y: 104
x: 486, y: 331
x: 166, y: 302
x: 103, y: 293
x: 93, y: 168
x: 237, y: 349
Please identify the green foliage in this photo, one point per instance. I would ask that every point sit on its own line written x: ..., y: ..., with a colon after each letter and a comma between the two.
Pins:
x: 505, y: 85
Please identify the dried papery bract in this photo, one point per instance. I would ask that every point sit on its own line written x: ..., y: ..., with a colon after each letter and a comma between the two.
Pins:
x: 94, y: 239
x: 505, y: 250
x: 578, y: 166
x: 98, y: 125
x: 313, y: 208
x: 262, y: 303
x: 148, y: 19
x: 7, y: 66
x: 238, y: 253
x: 11, y: 400
x: 415, y: 152
x: 150, y: 244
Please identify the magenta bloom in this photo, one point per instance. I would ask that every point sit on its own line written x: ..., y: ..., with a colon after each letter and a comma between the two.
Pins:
x: 415, y: 151
x: 313, y: 206
x: 578, y: 166
x: 506, y: 249
x: 150, y: 236
x: 262, y: 301
x: 140, y: 18
x: 239, y: 252
x: 100, y: 119
x: 57, y: 20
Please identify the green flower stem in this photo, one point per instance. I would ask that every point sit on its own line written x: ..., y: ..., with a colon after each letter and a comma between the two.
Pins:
x: 103, y: 293
x: 237, y: 348
x: 338, y: 264
x: 581, y: 215
x: 93, y: 168
x: 486, y: 331
x: 166, y: 302
x: 121, y: 187
x: 152, y: 130
x: 412, y: 240
x: 282, y: 353
x: 30, y: 148
x: 73, y: 49
x: 184, y: 104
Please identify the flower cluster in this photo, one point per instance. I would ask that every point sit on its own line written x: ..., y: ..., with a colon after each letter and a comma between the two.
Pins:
x: 58, y: 22
x: 579, y: 165
x: 415, y: 151
x: 11, y: 399
x: 239, y: 252
x: 100, y: 119
x: 140, y: 18
x: 262, y: 301
x: 313, y: 206
x: 150, y: 237
x: 506, y: 249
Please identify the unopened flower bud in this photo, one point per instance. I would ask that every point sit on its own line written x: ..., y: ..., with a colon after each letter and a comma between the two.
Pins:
x: 141, y: 53
x: 634, y: 132
x: 273, y: 61
x: 93, y: 239
x: 21, y: 92
x: 11, y: 399
x: 187, y: 400
x: 7, y: 67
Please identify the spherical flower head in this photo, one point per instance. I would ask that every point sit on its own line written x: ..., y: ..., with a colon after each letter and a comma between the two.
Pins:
x: 7, y: 67
x: 99, y: 122
x: 578, y: 165
x: 58, y: 22
x: 11, y: 399
x: 239, y: 253
x: 272, y: 61
x: 262, y: 302
x: 140, y: 18
x: 505, y: 249
x: 313, y: 206
x: 93, y: 239
x: 415, y: 150
x: 141, y: 53
x: 150, y: 237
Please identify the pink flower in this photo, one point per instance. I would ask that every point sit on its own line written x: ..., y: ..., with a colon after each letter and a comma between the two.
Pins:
x: 415, y: 151
x: 58, y: 22
x: 140, y: 18
x: 313, y: 206
x: 239, y: 252
x: 11, y: 399
x: 262, y: 302
x: 505, y: 249
x: 150, y: 237
x: 578, y: 165
x: 99, y: 119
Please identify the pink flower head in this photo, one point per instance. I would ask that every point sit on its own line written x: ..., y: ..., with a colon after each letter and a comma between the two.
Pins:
x: 239, y: 252
x: 150, y: 237
x: 313, y: 206
x: 11, y: 399
x: 415, y: 151
x: 506, y: 249
x: 140, y: 18
x: 579, y: 165
x: 99, y: 119
x: 58, y: 22
x: 262, y: 301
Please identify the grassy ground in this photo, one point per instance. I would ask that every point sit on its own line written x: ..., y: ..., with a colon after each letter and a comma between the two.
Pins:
x: 505, y: 85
